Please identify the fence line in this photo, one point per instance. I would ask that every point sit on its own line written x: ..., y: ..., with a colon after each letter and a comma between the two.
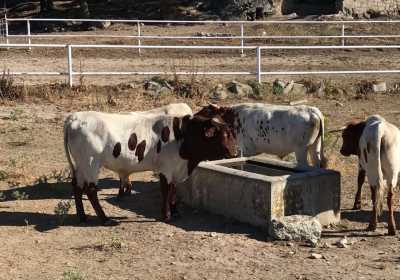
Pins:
x: 240, y: 38
x: 258, y: 71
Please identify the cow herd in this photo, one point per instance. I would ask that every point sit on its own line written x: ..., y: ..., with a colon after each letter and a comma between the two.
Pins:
x: 172, y: 141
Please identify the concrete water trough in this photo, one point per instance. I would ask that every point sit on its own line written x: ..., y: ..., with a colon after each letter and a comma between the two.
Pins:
x: 256, y: 190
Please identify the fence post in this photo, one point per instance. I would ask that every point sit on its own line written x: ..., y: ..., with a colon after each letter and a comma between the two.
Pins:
x: 70, y: 73
x: 343, y: 35
x: 139, y: 32
x: 242, y: 39
x: 28, y: 29
x: 6, y: 22
x: 259, y: 65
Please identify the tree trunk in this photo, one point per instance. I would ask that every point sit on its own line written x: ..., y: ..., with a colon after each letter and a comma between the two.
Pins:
x: 84, y: 9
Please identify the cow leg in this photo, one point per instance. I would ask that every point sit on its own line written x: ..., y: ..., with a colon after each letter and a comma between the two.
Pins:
x: 360, y: 182
x: 173, y: 203
x: 391, y: 221
x: 121, y: 190
x: 80, y: 212
x: 91, y: 192
x: 166, y: 198
x: 374, y: 217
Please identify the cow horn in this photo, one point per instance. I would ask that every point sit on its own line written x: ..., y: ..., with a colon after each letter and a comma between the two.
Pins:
x: 218, y: 121
x: 337, y: 130
x: 215, y: 106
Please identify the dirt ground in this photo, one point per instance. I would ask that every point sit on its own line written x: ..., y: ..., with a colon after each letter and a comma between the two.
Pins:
x: 36, y: 244
x: 198, y: 245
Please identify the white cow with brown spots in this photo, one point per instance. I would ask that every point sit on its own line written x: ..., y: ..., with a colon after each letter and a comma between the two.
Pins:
x: 126, y: 143
x: 376, y: 142
x: 276, y: 129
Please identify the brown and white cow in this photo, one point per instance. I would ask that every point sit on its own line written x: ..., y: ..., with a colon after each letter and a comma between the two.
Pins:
x: 275, y: 129
x: 376, y: 142
x: 173, y: 109
x: 168, y: 145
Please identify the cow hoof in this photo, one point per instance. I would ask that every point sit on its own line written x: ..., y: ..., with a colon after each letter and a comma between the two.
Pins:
x: 356, y: 207
x: 391, y: 232
x: 371, y: 227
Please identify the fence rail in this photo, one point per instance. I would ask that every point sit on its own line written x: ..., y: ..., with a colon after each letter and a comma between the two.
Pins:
x: 139, y: 37
x: 257, y: 71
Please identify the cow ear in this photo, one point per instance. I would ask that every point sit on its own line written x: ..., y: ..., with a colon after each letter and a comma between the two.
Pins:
x: 210, y: 132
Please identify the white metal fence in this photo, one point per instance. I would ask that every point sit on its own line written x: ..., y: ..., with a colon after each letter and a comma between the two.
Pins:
x: 258, y: 71
x: 138, y: 37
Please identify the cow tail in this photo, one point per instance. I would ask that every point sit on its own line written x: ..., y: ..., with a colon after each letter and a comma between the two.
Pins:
x: 321, y: 136
x: 375, y: 167
x: 67, y: 124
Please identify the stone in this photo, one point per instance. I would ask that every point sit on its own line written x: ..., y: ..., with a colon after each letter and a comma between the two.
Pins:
x: 320, y: 89
x: 379, y: 87
x: 152, y: 86
x: 316, y: 256
x: 219, y: 93
x: 342, y: 243
x: 165, y: 91
x: 240, y: 89
x: 296, y: 228
x: 288, y: 87
x: 298, y: 89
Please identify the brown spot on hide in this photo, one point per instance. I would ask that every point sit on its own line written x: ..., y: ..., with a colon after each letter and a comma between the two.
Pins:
x: 165, y: 134
x: 132, y: 142
x: 140, y: 150
x: 117, y: 150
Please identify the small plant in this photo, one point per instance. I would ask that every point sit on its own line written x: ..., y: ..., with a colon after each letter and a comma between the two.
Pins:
x: 3, y: 175
x: 277, y: 88
x: 19, y: 195
x: 2, y: 196
x: 8, y: 90
x: 72, y: 275
x: 15, y: 114
x: 112, y: 244
x: 61, y: 210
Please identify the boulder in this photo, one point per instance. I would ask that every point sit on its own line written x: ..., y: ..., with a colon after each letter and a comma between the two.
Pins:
x: 298, y: 89
x: 219, y: 93
x: 379, y: 87
x: 240, y: 89
x: 296, y: 228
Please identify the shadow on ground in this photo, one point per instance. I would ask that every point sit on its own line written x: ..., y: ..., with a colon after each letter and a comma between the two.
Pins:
x: 146, y: 202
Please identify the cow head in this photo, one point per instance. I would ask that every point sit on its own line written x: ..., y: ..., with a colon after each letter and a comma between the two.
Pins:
x: 206, y: 138
x: 351, y: 138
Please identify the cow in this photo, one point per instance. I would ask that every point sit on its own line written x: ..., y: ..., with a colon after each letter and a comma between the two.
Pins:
x: 376, y: 142
x: 171, y: 146
x: 174, y: 109
x: 275, y: 129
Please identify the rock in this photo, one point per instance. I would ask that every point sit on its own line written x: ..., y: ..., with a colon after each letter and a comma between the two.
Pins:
x: 105, y: 24
x: 288, y: 87
x: 342, y: 243
x: 379, y: 87
x: 240, y: 89
x: 152, y: 85
x: 298, y: 89
x: 297, y: 228
x: 165, y: 91
x: 316, y: 256
x: 320, y: 89
x: 213, y: 234
x: 219, y: 93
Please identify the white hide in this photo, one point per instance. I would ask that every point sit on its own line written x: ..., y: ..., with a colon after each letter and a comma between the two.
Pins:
x: 280, y: 130
x: 90, y: 139
x: 380, y: 153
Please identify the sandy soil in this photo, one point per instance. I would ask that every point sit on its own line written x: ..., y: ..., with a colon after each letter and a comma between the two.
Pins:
x: 198, y: 245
